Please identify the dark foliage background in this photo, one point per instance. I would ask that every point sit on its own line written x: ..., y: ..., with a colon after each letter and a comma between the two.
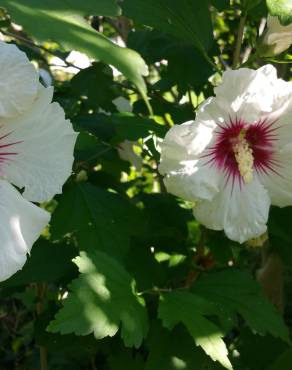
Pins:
x: 124, y: 278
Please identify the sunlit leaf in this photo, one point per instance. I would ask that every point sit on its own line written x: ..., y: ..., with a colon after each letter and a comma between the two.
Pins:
x: 64, y: 23
x: 189, y: 309
x: 281, y: 9
x: 101, y: 300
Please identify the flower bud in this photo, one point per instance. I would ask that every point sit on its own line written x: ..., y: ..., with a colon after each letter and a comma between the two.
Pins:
x: 276, y: 39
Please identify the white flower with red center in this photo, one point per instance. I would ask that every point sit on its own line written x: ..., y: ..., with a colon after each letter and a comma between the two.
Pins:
x: 36, y: 155
x: 235, y: 159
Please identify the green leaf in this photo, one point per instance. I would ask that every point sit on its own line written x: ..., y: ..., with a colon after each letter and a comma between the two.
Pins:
x: 125, y: 360
x: 100, y: 7
x: 220, y: 4
x: 166, y: 222
x: 250, y: 4
x: 63, y: 22
x: 174, y: 350
x: 86, y: 81
x: 189, y: 309
x: 101, y: 300
x: 280, y: 237
x: 281, y: 9
x: 252, y: 346
x: 98, y: 218
x: 122, y: 126
x: 236, y: 291
x: 188, y: 20
x: 282, y: 362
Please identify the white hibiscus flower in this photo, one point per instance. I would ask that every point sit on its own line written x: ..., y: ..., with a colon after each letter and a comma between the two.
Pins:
x: 36, y: 155
x: 235, y: 159
x: 277, y: 37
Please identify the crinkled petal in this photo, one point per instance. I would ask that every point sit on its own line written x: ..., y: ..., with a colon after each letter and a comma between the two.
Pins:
x: 183, y: 142
x: 241, y: 211
x: 185, y: 173
x: 247, y: 93
x: 41, y: 144
x: 20, y: 226
x: 18, y: 81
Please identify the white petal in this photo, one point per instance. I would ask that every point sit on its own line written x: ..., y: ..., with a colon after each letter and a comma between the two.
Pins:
x: 183, y: 142
x: 18, y: 81
x: 127, y: 153
x: 44, y: 143
x: 247, y: 93
x: 194, y: 181
x: 242, y: 211
x: 185, y: 173
x: 279, y: 185
x: 20, y: 226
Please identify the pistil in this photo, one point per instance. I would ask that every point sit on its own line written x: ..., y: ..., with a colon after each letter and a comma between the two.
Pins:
x: 244, y: 158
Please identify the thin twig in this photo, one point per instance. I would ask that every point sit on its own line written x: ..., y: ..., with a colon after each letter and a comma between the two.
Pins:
x: 32, y: 45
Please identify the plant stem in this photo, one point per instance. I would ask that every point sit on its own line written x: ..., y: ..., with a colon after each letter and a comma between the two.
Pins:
x: 30, y: 44
x: 40, y: 290
x: 236, y: 55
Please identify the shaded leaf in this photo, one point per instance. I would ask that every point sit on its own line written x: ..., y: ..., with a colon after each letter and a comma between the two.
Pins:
x: 100, y: 219
x: 237, y: 291
x: 121, y: 126
x: 280, y: 233
x: 188, y: 20
x: 282, y: 362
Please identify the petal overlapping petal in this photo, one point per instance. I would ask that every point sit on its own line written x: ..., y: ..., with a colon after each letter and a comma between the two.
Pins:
x: 18, y: 81
x: 21, y: 223
x: 42, y: 141
x: 185, y: 175
x: 183, y: 142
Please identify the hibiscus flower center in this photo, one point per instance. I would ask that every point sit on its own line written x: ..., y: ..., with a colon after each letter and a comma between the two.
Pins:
x: 244, y: 157
x: 6, y: 147
x: 241, y: 148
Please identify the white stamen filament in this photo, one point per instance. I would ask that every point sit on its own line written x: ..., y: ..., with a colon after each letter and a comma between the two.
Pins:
x: 244, y: 158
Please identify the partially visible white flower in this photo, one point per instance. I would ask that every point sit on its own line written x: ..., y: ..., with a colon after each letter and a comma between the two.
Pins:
x: 277, y: 37
x: 235, y: 159
x: 36, y: 155
x: 80, y: 60
x: 18, y: 81
x: 126, y: 148
x: 127, y: 153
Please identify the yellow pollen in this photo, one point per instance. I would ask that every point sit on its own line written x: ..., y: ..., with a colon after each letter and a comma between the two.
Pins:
x: 244, y: 158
